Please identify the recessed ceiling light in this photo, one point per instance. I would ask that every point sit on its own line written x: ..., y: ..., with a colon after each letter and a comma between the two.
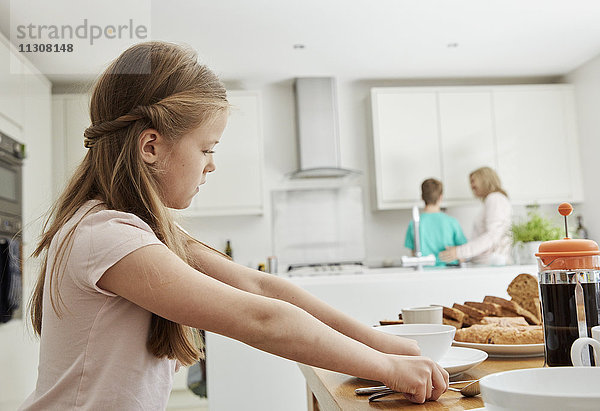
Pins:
x: 299, y: 46
x: 452, y: 45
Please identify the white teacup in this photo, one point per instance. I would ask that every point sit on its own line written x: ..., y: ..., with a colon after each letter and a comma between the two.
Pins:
x: 422, y: 315
x: 581, y: 344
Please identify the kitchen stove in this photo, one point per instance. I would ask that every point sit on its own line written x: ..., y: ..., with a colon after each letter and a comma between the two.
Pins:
x: 308, y: 270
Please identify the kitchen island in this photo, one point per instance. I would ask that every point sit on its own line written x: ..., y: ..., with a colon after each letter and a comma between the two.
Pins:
x: 241, y: 377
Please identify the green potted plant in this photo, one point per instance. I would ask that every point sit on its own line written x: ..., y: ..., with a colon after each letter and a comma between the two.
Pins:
x: 528, y: 236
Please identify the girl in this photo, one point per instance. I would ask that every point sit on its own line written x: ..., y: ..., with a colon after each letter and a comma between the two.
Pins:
x: 492, y: 241
x: 123, y: 288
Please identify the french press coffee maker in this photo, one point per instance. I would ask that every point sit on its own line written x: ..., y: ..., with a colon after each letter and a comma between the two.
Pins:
x: 569, y: 276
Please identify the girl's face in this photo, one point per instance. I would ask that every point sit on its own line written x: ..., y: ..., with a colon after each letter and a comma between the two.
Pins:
x: 188, y: 163
x: 476, y: 187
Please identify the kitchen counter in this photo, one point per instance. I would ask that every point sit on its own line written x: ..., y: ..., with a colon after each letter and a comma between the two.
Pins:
x: 262, y: 381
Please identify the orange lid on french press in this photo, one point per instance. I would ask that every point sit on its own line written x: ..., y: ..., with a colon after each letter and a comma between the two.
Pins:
x: 568, y: 253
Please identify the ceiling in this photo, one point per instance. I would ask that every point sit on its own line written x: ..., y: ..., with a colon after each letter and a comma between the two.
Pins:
x: 358, y: 39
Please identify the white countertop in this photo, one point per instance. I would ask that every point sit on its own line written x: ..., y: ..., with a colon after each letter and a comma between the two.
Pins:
x: 382, y: 293
x: 406, y: 273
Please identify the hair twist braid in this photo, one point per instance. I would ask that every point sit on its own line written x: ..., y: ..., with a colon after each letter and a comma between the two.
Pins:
x: 158, y: 113
x: 97, y: 131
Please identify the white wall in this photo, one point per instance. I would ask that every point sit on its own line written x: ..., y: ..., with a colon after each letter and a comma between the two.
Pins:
x: 586, y: 80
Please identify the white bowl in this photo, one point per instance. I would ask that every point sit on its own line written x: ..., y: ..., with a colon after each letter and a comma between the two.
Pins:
x: 433, y: 339
x: 548, y: 389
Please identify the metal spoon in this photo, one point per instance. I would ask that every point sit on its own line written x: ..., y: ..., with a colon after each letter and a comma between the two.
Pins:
x: 469, y: 390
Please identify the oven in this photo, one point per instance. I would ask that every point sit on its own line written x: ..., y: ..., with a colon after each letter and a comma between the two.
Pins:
x: 12, y: 154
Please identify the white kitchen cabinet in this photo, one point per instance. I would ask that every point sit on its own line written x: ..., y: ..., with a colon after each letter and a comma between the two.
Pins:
x: 70, y: 118
x: 527, y: 133
x: 406, y: 144
x: 537, y: 143
x: 467, y: 139
x: 236, y: 186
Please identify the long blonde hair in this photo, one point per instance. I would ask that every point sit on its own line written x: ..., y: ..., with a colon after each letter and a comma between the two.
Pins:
x: 174, y: 95
x: 490, y: 182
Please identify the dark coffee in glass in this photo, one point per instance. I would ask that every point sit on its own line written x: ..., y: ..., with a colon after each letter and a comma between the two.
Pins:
x: 559, y: 313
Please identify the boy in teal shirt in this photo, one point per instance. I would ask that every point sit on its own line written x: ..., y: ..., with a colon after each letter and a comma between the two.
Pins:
x: 437, y: 230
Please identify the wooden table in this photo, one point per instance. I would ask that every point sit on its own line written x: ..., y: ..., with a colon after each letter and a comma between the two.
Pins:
x: 331, y: 391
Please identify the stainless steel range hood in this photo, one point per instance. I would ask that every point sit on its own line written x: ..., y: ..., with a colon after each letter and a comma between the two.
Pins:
x: 317, y: 129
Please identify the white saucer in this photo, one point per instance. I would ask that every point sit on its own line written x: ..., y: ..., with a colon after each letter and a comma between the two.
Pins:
x: 459, y: 360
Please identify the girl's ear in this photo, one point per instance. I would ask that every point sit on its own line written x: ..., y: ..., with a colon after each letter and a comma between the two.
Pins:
x: 152, y: 145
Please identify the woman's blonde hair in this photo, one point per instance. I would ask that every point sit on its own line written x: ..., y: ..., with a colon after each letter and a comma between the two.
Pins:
x: 151, y: 85
x: 489, y: 180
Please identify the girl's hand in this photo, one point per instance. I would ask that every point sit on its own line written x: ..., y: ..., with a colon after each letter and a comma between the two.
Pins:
x: 418, y: 378
x: 393, y: 344
x: 448, y: 255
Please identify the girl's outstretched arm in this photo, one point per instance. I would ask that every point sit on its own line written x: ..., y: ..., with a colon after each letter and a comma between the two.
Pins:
x: 157, y: 280
x: 272, y: 286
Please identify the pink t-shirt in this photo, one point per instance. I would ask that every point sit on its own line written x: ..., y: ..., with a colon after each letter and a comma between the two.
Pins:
x: 95, y: 356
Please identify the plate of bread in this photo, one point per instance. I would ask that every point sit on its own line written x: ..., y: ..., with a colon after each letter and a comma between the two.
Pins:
x: 498, y: 326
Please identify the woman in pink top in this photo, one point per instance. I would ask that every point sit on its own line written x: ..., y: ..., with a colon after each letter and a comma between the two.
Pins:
x: 123, y: 287
x: 491, y: 242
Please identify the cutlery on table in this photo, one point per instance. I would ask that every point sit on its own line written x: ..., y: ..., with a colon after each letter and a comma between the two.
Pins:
x: 470, y: 390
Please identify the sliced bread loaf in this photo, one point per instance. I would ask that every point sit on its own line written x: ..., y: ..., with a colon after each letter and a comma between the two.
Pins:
x: 512, y: 306
x: 525, y: 292
x: 488, y: 308
x: 449, y: 321
x: 453, y: 314
x: 494, y: 334
x: 472, y: 312
x: 523, y: 286
x: 505, y: 321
